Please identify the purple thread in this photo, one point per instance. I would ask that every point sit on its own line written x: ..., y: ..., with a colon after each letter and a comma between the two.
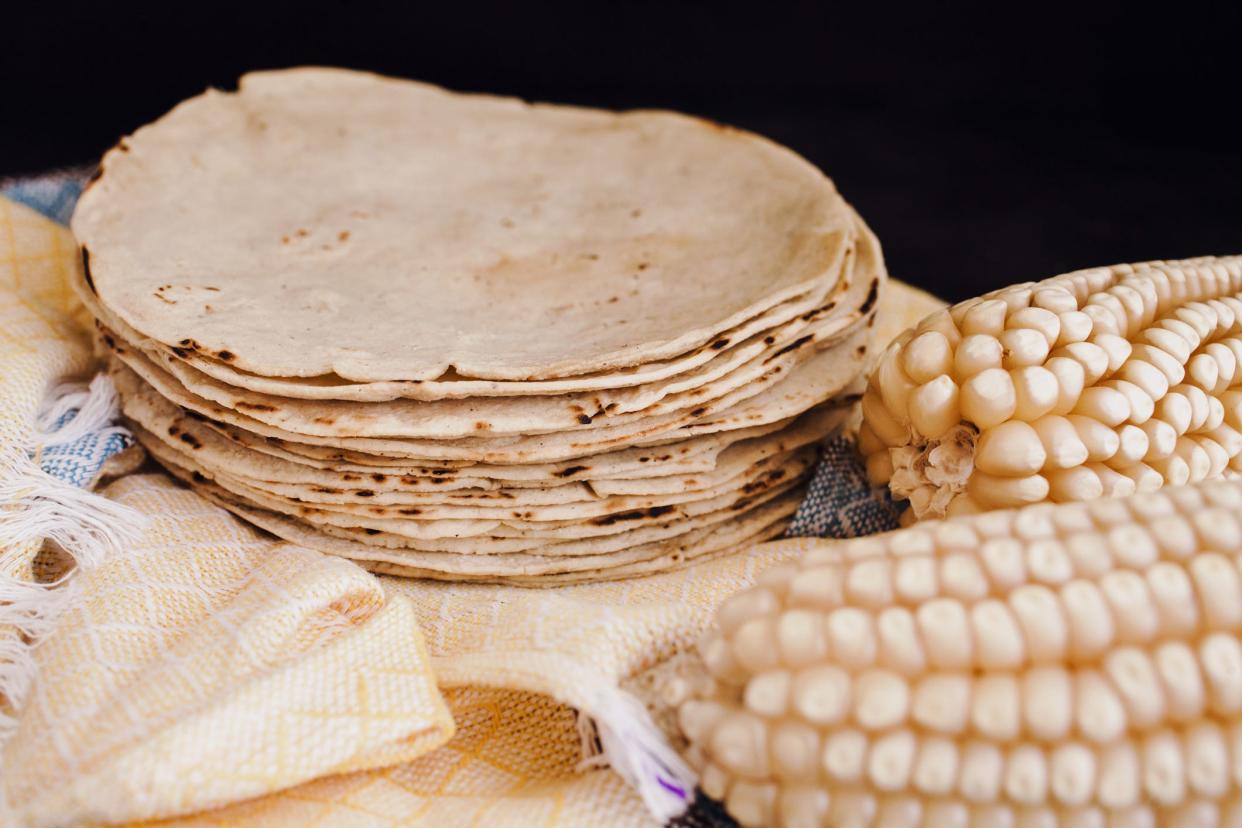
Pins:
x: 672, y: 787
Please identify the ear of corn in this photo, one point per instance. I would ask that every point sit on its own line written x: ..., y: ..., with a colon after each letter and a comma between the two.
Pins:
x: 1100, y: 382
x: 1073, y: 664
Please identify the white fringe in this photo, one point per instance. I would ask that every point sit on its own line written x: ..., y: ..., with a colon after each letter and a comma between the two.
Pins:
x: 620, y: 734
x: 36, y: 507
x: 98, y: 406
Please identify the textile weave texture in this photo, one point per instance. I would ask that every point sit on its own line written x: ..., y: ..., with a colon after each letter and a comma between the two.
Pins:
x: 208, y: 674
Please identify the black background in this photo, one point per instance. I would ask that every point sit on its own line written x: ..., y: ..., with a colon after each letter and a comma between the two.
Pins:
x: 986, y: 145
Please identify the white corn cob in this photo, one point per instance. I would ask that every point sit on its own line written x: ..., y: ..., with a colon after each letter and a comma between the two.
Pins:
x: 1071, y: 664
x: 1098, y: 382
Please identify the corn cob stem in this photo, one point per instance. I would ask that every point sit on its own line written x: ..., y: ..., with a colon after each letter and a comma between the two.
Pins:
x: 1058, y: 664
x: 1100, y: 382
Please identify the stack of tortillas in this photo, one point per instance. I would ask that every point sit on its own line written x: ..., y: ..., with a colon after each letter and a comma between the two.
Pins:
x: 465, y: 337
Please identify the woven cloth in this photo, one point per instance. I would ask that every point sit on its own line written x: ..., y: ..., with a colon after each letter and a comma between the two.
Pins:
x: 207, y: 674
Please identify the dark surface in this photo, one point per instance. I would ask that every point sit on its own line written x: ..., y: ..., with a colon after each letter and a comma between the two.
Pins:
x: 984, y: 149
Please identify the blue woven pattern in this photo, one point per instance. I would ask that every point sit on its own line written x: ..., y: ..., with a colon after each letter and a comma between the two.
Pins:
x: 53, y: 195
x: 78, y: 462
x: 840, y: 503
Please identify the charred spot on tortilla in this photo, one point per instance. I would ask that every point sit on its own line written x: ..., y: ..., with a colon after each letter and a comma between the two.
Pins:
x: 792, y: 346
x: 873, y: 296
x: 249, y: 406
x: 86, y: 270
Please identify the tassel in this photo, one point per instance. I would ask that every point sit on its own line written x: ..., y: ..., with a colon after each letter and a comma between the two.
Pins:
x: 620, y: 734
x: 36, y: 508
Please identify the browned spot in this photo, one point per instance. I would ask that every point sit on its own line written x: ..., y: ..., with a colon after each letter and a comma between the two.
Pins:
x: 284, y: 239
x: 198, y: 477
x: 609, y: 520
x: 181, y: 352
x: 635, y: 213
x: 792, y: 346
x: 763, y: 482
x: 227, y: 356
x: 410, y: 512
x: 86, y: 269
x: 343, y: 235
x: 716, y: 125
x: 248, y: 406
x: 371, y: 531
x: 481, y: 426
x: 585, y: 419
x: 571, y: 471
x: 302, y: 232
x: 664, y: 457
x: 172, y: 431
x: 872, y: 296
x: 109, y: 341
x: 379, y: 478
x: 164, y: 298
x: 699, y: 412
x: 719, y: 343
x: 635, y: 514
x: 193, y: 415
x: 871, y: 321
x: 768, y: 340
x: 613, y: 300
x: 644, y: 265
x: 364, y: 493
x: 443, y: 471
x: 191, y: 441
x: 350, y: 477
x: 212, y: 289
x: 325, y: 490
x: 860, y: 350
x: 643, y: 459
x: 325, y: 420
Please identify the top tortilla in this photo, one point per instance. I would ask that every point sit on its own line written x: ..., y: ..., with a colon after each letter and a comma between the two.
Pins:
x: 326, y: 222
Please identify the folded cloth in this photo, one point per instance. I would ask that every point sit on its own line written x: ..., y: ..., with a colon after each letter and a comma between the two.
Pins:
x: 203, y: 673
